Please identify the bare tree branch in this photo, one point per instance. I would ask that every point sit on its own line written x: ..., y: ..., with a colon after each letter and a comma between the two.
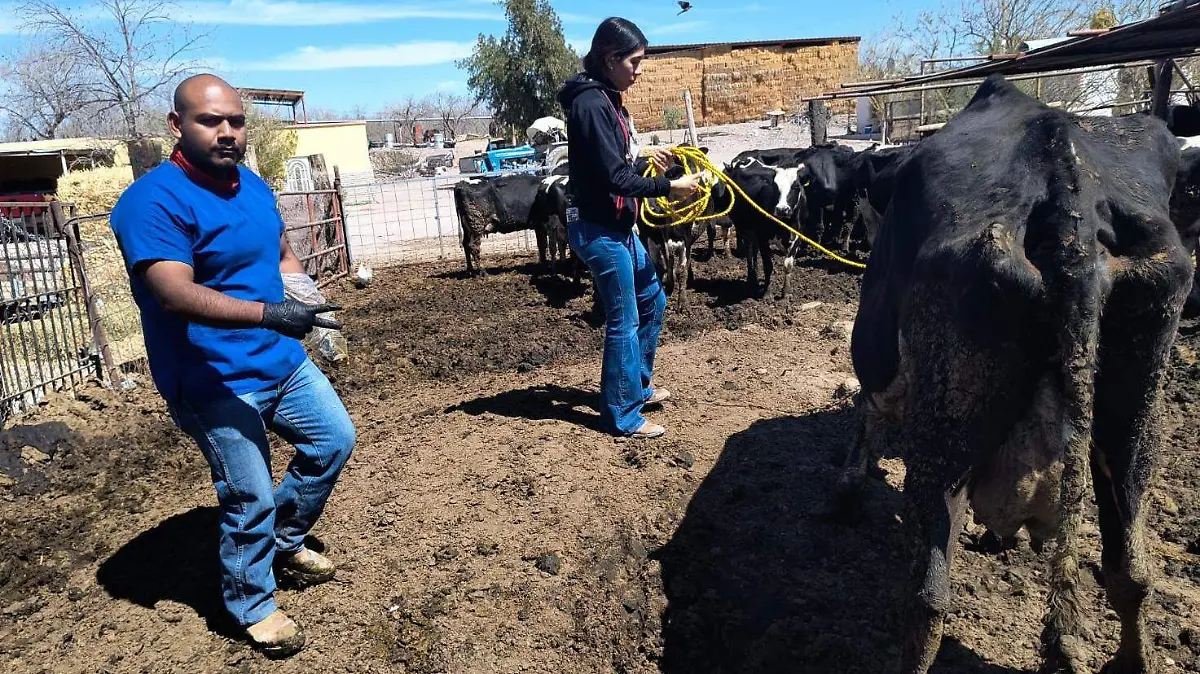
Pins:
x: 44, y: 90
x: 130, y: 56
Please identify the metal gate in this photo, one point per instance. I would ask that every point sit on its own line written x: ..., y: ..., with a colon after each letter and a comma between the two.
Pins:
x: 45, y: 330
x: 314, y: 226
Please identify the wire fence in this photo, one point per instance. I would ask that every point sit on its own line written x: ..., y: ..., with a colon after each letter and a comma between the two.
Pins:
x: 391, y: 222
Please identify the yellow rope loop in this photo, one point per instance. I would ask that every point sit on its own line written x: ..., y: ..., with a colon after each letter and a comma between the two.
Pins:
x: 669, y: 213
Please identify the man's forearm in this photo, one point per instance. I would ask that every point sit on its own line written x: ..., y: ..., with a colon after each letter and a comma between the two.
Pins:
x: 210, y: 307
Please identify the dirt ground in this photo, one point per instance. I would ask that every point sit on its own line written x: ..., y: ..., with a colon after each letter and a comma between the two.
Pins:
x: 485, y: 525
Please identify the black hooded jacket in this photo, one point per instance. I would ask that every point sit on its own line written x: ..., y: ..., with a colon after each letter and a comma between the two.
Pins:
x: 604, y: 183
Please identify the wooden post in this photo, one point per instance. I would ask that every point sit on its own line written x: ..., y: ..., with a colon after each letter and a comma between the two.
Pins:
x: 691, y: 119
x: 340, y: 214
x: 144, y: 154
x: 75, y: 252
x: 818, y: 122
x: 1164, y: 72
x: 1160, y: 100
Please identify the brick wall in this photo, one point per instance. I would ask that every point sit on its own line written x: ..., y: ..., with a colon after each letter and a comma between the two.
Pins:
x: 739, y: 84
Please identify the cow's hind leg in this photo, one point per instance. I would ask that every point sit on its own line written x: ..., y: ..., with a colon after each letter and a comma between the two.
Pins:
x: 539, y: 234
x: 1136, y: 337
x: 936, y: 516
x: 845, y: 501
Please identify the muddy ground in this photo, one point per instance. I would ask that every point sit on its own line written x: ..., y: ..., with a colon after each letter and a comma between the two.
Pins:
x: 485, y: 525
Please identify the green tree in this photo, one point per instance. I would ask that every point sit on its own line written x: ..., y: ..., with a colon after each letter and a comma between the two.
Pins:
x: 273, y: 144
x: 519, y: 75
x: 672, y: 116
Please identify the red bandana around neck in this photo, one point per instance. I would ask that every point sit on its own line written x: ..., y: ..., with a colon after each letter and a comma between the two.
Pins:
x: 222, y: 187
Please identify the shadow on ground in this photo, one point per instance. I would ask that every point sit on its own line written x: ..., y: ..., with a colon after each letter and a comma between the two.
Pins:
x: 176, y: 560
x: 756, y: 582
x: 560, y: 403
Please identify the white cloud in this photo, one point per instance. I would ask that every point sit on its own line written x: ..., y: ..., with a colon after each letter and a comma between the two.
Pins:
x: 572, y: 17
x: 678, y: 28
x: 451, y: 85
x: 365, y: 56
x: 322, y: 12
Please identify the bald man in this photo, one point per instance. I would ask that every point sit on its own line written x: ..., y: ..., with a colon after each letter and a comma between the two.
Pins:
x: 205, y: 249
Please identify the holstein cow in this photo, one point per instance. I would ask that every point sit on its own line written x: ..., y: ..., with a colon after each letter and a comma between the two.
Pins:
x: 1015, y: 319
x: 1185, y: 211
x: 1184, y: 120
x: 874, y: 183
x: 550, y: 210
x: 776, y: 189
x: 827, y: 175
x: 670, y: 247
x: 497, y: 205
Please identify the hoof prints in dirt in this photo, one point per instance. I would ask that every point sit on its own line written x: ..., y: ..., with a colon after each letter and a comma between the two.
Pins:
x: 432, y: 321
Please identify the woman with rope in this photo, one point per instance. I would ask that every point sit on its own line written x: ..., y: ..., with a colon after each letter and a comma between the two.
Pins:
x: 605, y: 185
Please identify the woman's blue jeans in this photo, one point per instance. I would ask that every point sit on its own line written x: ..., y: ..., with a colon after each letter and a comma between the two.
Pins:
x: 634, y: 303
x: 257, y: 520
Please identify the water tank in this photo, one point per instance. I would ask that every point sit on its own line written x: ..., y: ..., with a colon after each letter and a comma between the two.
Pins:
x: 864, y: 115
x: 439, y: 140
x: 390, y: 140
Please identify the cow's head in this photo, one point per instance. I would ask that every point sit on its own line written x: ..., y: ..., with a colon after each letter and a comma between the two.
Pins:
x: 790, y: 194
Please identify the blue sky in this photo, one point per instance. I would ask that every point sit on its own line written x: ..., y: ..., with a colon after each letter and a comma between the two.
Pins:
x: 346, y: 53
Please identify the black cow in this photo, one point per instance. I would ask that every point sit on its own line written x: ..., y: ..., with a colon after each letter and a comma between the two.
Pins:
x: 1015, y: 319
x: 827, y: 173
x: 776, y: 189
x: 1184, y: 120
x: 874, y: 183
x: 550, y: 213
x: 1185, y: 211
x: 496, y: 205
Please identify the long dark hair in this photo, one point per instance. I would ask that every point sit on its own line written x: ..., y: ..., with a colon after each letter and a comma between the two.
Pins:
x: 615, y: 37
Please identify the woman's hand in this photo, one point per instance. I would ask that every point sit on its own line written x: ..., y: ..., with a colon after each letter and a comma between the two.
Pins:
x: 685, y: 187
x: 662, y: 158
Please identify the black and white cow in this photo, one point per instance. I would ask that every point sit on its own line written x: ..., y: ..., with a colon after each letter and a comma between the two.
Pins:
x: 496, y: 206
x: 776, y: 189
x: 1019, y: 308
x: 670, y: 246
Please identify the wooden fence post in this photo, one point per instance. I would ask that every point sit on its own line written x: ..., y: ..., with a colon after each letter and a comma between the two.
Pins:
x: 818, y: 122
x: 340, y: 213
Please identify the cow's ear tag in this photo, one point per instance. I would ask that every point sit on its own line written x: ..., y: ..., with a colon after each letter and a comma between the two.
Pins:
x: 572, y: 214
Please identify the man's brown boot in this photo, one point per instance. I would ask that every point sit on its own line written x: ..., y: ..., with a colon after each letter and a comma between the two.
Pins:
x: 276, y: 637
x: 305, y: 567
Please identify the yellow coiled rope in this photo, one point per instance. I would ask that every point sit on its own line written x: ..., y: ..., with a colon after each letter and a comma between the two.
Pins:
x: 668, y: 213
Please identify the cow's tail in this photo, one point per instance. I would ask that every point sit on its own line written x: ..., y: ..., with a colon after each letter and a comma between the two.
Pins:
x: 1066, y: 251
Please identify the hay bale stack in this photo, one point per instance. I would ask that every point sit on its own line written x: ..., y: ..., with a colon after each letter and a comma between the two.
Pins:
x: 732, y: 83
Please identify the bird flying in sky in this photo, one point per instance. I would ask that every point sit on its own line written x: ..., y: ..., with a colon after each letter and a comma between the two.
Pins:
x: 684, y: 6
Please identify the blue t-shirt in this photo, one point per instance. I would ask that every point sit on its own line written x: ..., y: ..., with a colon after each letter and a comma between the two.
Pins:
x: 232, y: 245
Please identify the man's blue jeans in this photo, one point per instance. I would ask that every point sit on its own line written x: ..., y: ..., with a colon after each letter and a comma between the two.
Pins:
x: 257, y: 521
x: 634, y: 302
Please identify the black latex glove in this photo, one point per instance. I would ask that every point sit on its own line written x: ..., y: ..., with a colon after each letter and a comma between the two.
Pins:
x: 297, y: 319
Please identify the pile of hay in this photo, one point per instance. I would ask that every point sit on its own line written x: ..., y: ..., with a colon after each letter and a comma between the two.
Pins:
x: 94, y: 191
